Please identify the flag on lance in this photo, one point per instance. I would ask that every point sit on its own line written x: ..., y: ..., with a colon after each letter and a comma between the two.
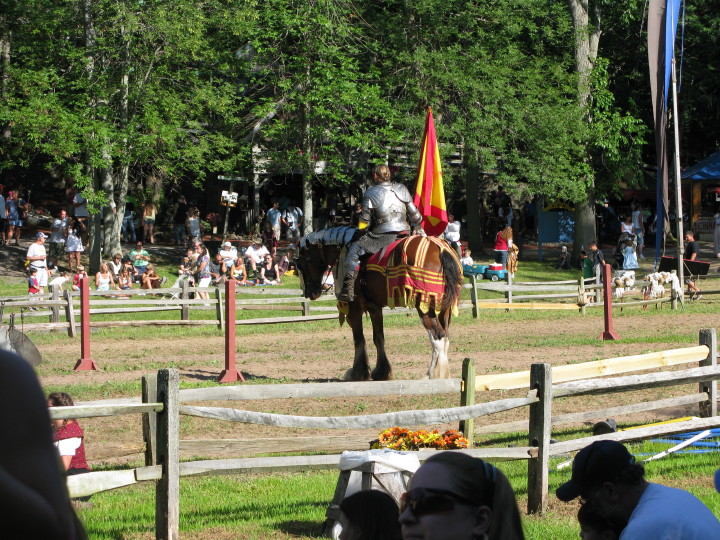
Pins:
x: 429, y: 190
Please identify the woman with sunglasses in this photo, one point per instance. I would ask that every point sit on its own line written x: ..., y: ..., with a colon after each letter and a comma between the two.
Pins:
x: 453, y: 495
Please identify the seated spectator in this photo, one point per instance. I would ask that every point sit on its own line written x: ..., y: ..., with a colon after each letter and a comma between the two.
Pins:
x: 369, y: 515
x: 467, y: 259
x: 453, y: 495
x: 269, y: 272
x: 104, y: 280
x: 125, y: 279
x: 217, y: 269
x: 69, y: 439
x: 229, y: 254
x: 140, y: 258
x: 115, y: 265
x: 32, y: 486
x: 150, y: 279
x: 238, y: 272
x: 254, y: 254
x: 79, y: 274
x: 130, y: 267
x: 613, y: 486
x: 283, y: 265
x: 564, y: 262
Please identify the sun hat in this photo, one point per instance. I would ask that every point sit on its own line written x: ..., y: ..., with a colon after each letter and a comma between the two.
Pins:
x: 599, y: 462
x: 227, y: 244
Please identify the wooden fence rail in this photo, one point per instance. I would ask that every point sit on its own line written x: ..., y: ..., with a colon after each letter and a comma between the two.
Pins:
x: 162, y: 408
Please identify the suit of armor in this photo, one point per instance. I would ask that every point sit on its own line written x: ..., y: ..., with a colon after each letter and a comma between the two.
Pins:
x: 386, y: 208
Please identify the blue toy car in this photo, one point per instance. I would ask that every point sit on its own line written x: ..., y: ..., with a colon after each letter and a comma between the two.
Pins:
x: 495, y: 275
x: 478, y: 270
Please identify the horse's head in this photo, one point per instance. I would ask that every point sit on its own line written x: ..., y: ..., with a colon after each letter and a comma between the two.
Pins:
x: 311, y: 265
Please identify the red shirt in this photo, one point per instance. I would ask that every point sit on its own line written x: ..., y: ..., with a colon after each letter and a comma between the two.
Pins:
x: 500, y: 242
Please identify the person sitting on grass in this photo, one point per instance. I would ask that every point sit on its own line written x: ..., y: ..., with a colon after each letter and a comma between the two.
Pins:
x: 238, y: 272
x: 218, y: 269
x: 150, y: 279
x: 269, y: 272
x: 104, y: 280
x: 467, y: 258
x: 79, y: 274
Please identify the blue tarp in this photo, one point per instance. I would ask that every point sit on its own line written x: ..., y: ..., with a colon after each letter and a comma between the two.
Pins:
x: 707, y: 169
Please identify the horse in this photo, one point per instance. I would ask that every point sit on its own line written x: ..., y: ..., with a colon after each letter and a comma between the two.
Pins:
x: 416, y: 270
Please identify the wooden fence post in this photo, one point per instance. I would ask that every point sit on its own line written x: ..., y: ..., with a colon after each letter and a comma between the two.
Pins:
x: 708, y: 408
x: 149, y: 420
x: 219, y: 306
x: 55, y: 315
x: 70, y: 314
x: 467, y: 397
x: 230, y: 373
x: 474, y: 295
x: 582, y: 299
x: 86, y: 361
x: 185, y: 308
x: 305, y: 307
x: 167, y: 489
x: 540, y: 428
x: 508, y: 294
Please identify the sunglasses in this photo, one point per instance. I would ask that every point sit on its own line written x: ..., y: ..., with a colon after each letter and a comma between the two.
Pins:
x: 424, y: 501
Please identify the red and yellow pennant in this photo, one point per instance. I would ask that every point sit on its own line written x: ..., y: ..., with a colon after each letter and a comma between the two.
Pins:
x: 429, y: 190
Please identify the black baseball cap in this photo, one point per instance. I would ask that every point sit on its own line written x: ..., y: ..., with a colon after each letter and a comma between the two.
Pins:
x: 600, y: 462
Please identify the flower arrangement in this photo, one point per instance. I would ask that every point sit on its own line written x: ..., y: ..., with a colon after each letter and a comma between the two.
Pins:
x: 403, y: 439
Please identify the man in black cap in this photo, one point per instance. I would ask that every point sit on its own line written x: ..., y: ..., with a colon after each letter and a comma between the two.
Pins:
x: 610, y: 483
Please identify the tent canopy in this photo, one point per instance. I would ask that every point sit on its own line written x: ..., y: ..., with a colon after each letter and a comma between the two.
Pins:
x: 707, y: 169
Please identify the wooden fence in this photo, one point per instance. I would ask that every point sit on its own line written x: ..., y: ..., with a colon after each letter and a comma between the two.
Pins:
x: 547, y: 295
x: 176, y: 300
x: 162, y: 405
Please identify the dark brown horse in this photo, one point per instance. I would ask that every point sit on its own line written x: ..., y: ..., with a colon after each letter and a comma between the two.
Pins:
x: 417, y: 271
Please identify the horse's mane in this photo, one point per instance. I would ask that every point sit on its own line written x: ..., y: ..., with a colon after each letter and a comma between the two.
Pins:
x: 334, y: 236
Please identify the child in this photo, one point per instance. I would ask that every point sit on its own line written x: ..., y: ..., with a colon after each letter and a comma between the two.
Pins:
x: 79, y: 274
x: 630, y: 261
x: 58, y: 280
x: 586, y: 265
x: 69, y: 438
x: 33, y: 287
x: 564, y: 263
x: 467, y: 259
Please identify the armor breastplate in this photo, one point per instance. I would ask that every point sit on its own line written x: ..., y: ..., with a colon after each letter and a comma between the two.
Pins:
x: 388, y: 205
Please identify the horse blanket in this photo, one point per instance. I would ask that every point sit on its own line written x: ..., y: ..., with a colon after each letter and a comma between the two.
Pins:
x: 406, y: 282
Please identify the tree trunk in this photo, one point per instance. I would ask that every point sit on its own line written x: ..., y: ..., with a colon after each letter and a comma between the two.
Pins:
x: 474, y: 224
x: 5, y: 46
x: 587, y: 39
x: 585, y: 225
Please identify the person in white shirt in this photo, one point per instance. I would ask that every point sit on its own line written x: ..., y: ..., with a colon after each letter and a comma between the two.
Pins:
x: 37, y: 257
x: 229, y: 254
x: 452, y: 234
x: 293, y: 218
x: 467, y: 259
x: 255, y: 254
x: 57, y: 235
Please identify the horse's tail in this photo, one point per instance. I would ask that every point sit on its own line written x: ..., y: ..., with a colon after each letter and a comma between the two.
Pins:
x: 453, y: 279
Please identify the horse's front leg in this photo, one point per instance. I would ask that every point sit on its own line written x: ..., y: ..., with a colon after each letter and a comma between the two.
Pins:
x: 361, y: 367
x: 439, y: 365
x: 383, y: 370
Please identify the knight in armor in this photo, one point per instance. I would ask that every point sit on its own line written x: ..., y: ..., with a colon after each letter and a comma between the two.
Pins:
x: 386, y: 208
